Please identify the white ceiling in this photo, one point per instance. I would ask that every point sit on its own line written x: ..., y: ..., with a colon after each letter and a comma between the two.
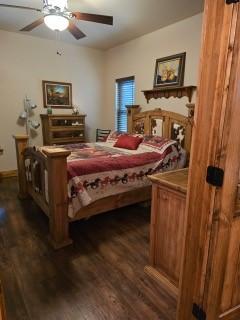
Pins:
x: 132, y: 18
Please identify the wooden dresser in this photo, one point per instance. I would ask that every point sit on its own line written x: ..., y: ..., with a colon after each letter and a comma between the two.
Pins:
x: 169, y: 191
x: 62, y: 129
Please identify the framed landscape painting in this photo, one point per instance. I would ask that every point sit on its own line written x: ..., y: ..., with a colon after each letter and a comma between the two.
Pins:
x: 57, y: 94
x: 169, y: 71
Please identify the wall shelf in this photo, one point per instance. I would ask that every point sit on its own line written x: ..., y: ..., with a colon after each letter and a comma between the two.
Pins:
x: 175, y: 92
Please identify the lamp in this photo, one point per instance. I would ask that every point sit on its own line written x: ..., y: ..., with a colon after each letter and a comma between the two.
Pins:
x: 33, y: 124
x: 56, y: 22
x: 25, y: 114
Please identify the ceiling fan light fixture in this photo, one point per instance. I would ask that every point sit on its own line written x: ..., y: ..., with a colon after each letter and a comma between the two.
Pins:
x: 61, y: 4
x: 56, y: 22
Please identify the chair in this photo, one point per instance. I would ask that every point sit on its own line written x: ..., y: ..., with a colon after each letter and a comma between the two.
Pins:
x: 102, y: 134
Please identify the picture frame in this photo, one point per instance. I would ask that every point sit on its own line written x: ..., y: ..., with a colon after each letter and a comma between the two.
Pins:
x: 57, y: 94
x: 169, y: 71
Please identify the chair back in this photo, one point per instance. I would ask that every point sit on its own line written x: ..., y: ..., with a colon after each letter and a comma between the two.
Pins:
x: 102, y: 134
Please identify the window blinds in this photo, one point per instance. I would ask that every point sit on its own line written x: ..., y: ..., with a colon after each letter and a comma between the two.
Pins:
x: 125, y: 95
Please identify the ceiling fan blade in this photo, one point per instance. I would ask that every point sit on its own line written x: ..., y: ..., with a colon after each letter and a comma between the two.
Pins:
x: 93, y: 17
x: 19, y: 7
x: 77, y: 33
x: 33, y: 25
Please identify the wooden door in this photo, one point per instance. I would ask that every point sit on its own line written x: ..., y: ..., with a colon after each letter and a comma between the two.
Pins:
x: 211, y: 256
x: 2, y: 307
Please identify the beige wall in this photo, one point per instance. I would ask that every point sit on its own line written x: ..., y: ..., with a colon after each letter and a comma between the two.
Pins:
x: 137, y: 58
x: 24, y: 62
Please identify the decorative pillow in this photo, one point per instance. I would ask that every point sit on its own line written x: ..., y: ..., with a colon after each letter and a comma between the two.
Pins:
x: 126, y: 141
x: 114, y: 135
x: 158, y: 143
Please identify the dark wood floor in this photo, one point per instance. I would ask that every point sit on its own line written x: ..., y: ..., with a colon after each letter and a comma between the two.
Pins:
x: 100, y: 277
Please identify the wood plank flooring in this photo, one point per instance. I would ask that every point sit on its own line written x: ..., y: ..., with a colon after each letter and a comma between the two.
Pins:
x: 100, y: 277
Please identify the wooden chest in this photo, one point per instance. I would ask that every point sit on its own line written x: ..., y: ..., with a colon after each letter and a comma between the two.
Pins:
x: 167, y: 227
x: 168, y: 222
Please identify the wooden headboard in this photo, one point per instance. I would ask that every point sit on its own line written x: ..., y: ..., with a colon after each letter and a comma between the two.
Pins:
x: 167, y: 124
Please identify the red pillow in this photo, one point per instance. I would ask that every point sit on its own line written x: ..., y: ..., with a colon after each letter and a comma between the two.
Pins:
x: 128, y: 142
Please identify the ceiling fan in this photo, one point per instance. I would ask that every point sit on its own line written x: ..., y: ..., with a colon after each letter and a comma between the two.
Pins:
x: 57, y: 17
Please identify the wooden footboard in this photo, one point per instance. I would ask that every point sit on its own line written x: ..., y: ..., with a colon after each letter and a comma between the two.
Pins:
x: 44, y: 178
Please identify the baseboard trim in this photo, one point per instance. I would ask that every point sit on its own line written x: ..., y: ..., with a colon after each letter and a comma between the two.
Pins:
x: 160, y: 278
x: 233, y: 314
x: 8, y: 174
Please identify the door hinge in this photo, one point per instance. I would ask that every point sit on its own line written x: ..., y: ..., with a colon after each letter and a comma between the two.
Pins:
x: 215, y: 176
x: 198, y: 312
x: 232, y: 1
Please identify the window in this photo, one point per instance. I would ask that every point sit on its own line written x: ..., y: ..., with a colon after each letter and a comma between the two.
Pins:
x: 125, y: 95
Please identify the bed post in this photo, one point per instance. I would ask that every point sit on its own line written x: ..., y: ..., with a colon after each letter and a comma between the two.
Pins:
x: 21, y: 142
x: 188, y: 141
x: 191, y: 107
x: 131, y: 111
x: 58, y: 197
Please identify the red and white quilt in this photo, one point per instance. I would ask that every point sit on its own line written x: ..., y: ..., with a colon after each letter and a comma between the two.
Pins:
x: 100, y: 170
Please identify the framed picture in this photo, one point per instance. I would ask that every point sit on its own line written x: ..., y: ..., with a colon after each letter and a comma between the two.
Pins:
x: 169, y: 71
x: 57, y: 94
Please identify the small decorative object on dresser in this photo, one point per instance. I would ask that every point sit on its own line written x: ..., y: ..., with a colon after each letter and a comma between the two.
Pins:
x: 169, y: 71
x: 75, y: 110
x: 167, y: 227
x: 49, y: 110
x: 57, y: 94
x: 63, y: 129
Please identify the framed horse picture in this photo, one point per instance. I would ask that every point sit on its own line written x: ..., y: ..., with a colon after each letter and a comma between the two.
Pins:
x: 169, y: 71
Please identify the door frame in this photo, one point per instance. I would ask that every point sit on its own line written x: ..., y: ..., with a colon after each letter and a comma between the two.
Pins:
x: 215, y: 143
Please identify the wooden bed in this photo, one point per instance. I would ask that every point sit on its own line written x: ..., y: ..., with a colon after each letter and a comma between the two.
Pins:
x: 172, y: 125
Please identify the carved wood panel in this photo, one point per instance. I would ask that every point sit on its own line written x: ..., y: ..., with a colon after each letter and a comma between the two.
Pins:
x: 139, y: 126
x: 164, y: 123
x: 178, y: 132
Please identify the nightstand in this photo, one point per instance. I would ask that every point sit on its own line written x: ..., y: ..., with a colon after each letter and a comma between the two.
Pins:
x: 168, y: 219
